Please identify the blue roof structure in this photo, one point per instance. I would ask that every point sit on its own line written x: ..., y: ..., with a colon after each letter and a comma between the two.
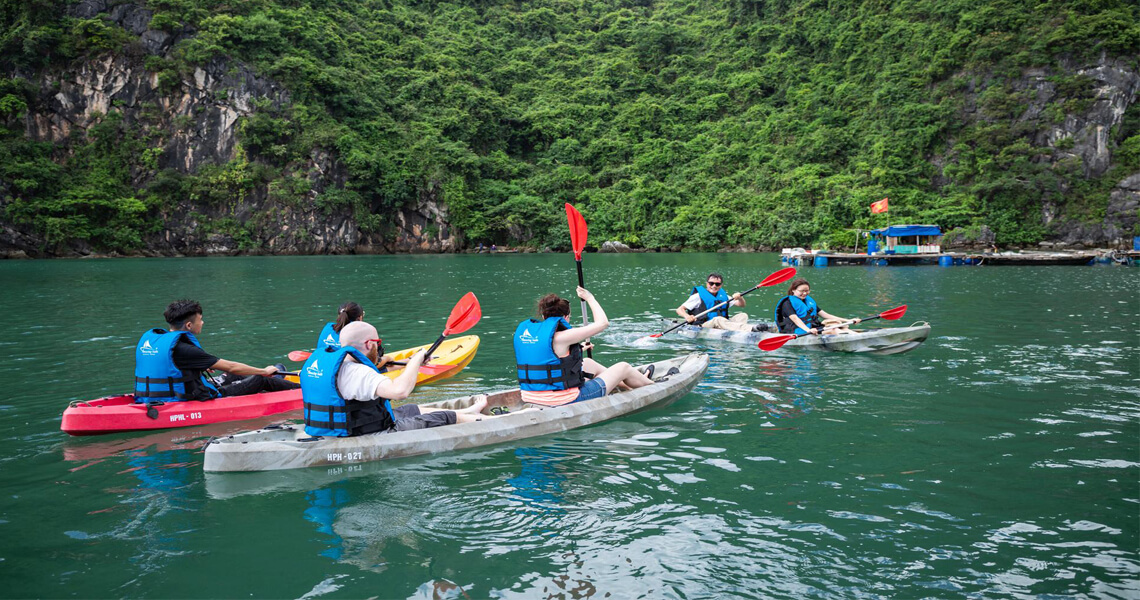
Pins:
x: 908, y: 230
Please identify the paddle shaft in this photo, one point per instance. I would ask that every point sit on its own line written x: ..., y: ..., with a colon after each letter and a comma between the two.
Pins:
x: 849, y: 322
x: 585, y: 316
x: 427, y: 355
x: 775, y: 342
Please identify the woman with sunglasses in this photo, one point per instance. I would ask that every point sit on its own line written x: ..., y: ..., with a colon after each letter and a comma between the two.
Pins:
x: 713, y: 294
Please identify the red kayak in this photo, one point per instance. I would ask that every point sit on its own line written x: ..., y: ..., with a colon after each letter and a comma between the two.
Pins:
x: 120, y: 413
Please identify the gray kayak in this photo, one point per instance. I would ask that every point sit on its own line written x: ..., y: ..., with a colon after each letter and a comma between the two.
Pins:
x: 289, y: 447
x: 888, y: 340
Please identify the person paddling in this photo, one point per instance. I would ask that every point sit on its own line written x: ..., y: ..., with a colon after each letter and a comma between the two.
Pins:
x: 349, y: 312
x: 170, y: 366
x: 548, y: 353
x: 346, y: 395
x: 711, y: 294
x: 798, y: 312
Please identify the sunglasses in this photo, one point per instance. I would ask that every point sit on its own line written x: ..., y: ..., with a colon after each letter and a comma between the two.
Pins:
x: 714, y: 282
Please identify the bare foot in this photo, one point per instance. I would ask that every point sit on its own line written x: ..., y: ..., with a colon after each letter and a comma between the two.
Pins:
x: 477, y: 406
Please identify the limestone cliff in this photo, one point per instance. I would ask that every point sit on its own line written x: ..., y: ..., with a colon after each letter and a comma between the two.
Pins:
x: 195, y: 121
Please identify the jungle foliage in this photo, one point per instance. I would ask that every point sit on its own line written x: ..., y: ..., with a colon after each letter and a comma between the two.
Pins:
x: 669, y: 124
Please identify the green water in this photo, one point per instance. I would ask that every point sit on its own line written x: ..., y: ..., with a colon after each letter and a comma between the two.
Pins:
x: 999, y: 459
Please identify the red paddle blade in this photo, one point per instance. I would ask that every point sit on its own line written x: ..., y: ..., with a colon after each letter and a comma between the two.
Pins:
x: 299, y: 355
x: 778, y: 277
x: 465, y: 315
x: 773, y: 343
x: 436, y: 369
x: 894, y: 313
x: 578, y: 230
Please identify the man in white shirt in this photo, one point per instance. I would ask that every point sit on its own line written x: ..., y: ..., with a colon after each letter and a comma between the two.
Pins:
x: 695, y: 305
x: 357, y: 382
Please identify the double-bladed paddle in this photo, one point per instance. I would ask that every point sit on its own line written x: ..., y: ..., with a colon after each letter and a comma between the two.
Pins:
x: 773, y: 343
x: 578, y: 232
x: 464, y: 316
x: 778, y: 277
x: 299, y: 355
x: 303, y: 355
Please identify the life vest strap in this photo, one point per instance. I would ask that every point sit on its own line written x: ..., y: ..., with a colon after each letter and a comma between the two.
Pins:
x: 168, y: 382
x: 331, y: 411
x: 565, y: 375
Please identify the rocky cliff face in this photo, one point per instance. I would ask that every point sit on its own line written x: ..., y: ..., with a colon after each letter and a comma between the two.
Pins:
x: 196, y: 122
x: 1087, y: 136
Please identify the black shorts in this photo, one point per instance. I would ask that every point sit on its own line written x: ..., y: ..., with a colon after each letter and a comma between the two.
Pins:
x: 409, y: 417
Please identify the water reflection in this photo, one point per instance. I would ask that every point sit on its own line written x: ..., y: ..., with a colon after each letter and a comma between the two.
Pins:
x: 323, y: 505
x: 539, y: 482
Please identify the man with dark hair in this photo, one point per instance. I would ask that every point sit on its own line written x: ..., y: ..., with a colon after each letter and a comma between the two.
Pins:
x: 709, y: 296
x: 170, y: 366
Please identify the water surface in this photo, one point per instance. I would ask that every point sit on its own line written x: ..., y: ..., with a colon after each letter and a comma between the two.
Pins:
x: 999, y: 459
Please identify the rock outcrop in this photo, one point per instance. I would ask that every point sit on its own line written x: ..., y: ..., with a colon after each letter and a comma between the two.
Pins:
x: 1083, y: 137
x: 614, y: 246
x: 195, y: 120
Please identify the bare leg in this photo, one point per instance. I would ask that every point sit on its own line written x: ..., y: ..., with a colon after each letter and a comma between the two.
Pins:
x: 623, y: 373
x: 595, y: 368
x: 592, y: 366
x: 469, y: 414
x: 731, y: 325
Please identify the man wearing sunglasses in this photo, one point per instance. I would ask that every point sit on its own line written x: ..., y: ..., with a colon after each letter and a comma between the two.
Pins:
x: 713, y: 294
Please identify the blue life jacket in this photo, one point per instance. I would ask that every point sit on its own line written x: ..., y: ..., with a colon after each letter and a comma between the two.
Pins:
x: 539, y: 369
x: 710, y: 301
x: 326, y: 412
x: 157, y: 379
x: 807, y: 310
x: 329, y: 338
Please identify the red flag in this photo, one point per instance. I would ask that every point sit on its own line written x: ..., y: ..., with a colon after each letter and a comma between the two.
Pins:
x: 880, y: 206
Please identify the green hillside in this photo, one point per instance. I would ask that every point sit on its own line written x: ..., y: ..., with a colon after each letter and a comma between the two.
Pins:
x: 669, y: 124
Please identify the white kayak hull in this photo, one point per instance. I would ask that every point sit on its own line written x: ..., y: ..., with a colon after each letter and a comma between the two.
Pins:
x: 289, y: 447
x: 890, y: 340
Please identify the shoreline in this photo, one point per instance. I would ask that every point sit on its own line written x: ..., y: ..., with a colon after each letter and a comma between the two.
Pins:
x: 20, y: 255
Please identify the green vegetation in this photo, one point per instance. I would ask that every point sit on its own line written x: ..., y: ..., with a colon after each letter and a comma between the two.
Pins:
x: 669, y: 124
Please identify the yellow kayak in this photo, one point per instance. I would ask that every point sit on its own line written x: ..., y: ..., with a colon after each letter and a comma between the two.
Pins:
x: 448, y: 360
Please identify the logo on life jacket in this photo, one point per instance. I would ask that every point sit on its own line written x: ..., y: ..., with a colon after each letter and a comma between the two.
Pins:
x: 314, y: 369
x: 331, y: 340
x: 147, y: 349
x: 527, y: 337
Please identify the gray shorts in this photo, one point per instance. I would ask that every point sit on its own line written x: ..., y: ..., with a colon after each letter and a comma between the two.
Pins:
x: 409, y: 417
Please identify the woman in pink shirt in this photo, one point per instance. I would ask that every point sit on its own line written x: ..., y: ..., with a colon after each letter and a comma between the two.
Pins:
x: 548, y: 353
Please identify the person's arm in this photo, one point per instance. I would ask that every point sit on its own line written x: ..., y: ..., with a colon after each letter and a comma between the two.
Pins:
x: 738, y: 300
x: 401, y: 387
x: 242, y: 369
x: 790, y: 313
x: 686, y: 309
x: 827, y: 315
x: 800, y: 323
x: 569, y: 337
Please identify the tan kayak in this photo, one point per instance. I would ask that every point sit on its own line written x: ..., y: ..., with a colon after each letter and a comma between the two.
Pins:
x: 289, y: 447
